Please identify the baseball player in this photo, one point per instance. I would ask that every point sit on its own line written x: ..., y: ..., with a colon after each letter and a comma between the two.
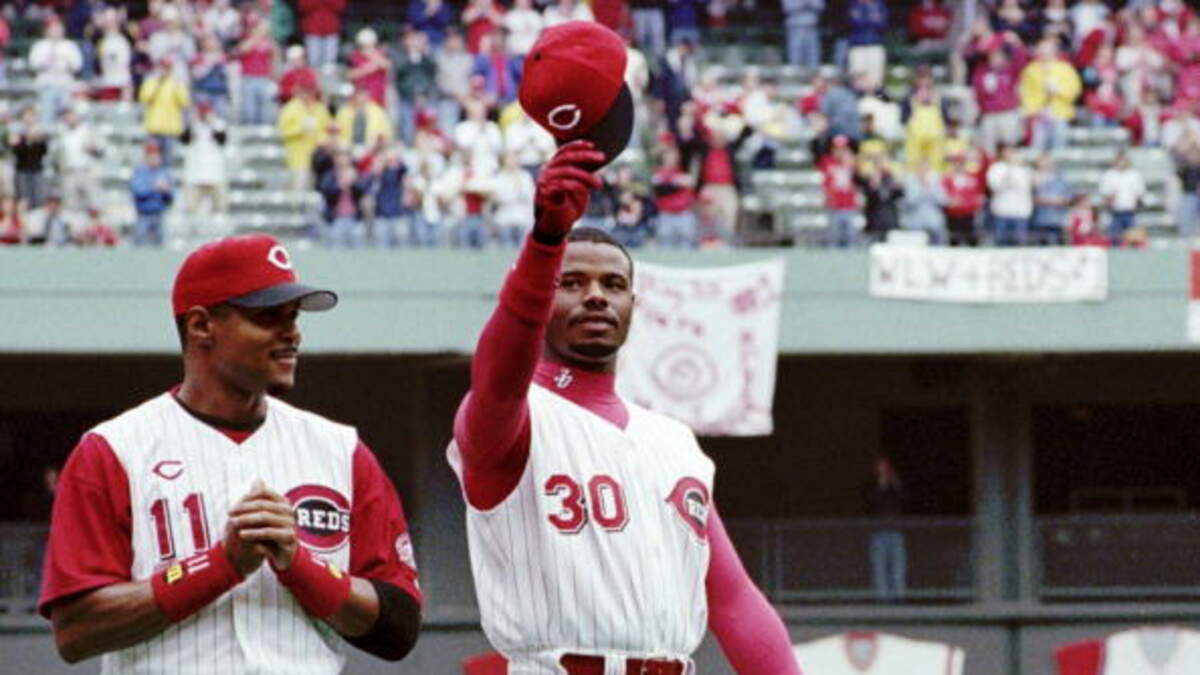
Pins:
x: 217, y: 529
x: 595, y: 545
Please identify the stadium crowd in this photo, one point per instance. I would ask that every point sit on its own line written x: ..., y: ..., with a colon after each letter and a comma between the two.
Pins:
x: 412, y: 135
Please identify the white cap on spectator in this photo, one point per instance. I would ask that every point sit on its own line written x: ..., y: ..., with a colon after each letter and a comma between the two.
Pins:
x: 366, y: 38
x: 295, y: 52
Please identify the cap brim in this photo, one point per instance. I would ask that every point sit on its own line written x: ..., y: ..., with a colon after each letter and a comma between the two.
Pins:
x: 611, y: 134
x: 311, y: 299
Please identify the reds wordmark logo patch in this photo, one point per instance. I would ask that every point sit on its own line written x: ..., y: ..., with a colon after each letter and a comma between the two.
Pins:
x: 690, y: 499
x: 322, y: 517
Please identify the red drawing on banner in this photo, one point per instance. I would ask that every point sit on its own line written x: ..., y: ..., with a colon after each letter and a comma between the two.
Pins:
x: 684, y: 372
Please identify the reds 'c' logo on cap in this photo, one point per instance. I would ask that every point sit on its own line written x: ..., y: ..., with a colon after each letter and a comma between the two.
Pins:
x: 278, y: 256
x: 322, y: 517
x: 691, y: 502
x: 565, y: 117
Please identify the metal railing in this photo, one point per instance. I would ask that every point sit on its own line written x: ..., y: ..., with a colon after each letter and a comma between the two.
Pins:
x: 1115, y: 556
x: 21, y: 551
x: 829, y: 560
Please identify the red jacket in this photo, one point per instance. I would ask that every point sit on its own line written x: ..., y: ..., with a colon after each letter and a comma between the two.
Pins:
x: 1084, y: 230
x: 841, y: 193
x: 929, y: 23
x: 304, y: 75
x: 321, y: 17
x: 964, y: 193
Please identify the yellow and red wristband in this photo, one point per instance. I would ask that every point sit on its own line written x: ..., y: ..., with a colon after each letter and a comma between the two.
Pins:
x: 187, y: 586
x: 320, y: 587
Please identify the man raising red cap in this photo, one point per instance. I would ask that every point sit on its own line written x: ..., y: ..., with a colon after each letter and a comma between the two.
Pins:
x: 165, y: 515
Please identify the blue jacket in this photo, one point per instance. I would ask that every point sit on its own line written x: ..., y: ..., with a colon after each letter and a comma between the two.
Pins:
x: 389, y: 194
x: 491, y: 78
x: 840, y: 105
x: 684, y: 14
x: 148, y: 199
x: 435, y: 25
x: 214, y: 81
x: 868, y: 22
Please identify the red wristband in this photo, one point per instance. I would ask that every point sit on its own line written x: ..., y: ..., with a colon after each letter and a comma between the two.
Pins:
x: 320, y: 587
x: 187, y: 586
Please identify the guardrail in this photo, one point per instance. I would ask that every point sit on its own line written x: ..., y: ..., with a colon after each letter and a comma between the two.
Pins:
x: 830, y: 560
x: 21, y: 551
x: 1119, y: 556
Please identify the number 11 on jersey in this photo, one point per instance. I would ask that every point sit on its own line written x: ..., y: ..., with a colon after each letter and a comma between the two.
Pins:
x: 160, y: 512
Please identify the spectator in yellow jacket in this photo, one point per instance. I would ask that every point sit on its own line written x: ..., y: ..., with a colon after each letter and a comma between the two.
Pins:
x: 303, y: 123
x: 164, y: 100
x: 925, y: 124
x: 1049, y: 86
x: 363, y: 124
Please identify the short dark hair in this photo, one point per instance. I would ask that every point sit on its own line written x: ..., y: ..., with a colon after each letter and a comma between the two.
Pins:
x: 595, y: 235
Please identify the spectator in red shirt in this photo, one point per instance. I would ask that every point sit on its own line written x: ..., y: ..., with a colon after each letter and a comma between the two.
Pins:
x: 965, y: 192
x: 1186, y: 55
x: 297, y: 73
x: 1104, y: 104
x: 481, y: 17
x: 1082, y: 228
x: 929, y: 26
x: 675, y: 197
x: 321, y: 22
x: 256, y: 53
x: 5, y: 36
x: 96, y: 232
x: 995, y: 87
x: 719, y: 197
x: 11, y: 225
x: 973, y: 48
x: 841, y: 194
x: 370, y: 67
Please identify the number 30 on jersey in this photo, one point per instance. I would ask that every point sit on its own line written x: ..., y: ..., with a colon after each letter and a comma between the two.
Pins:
x: 604, y: 500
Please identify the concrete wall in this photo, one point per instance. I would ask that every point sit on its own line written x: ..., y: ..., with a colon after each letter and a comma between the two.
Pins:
x: 424, y: 302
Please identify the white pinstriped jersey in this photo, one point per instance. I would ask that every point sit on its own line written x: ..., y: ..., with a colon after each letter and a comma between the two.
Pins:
x: 1152, y: 651
x: 183, y: 478
x: 878, y: 654
x: 602, y: 547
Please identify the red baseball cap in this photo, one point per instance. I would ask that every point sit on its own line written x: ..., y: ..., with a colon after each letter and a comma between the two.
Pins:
x: 573, y: 85
x: 251, y: 270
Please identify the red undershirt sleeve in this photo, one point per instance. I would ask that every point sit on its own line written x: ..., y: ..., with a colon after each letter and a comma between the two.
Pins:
x: 492, y: 425
x: 751, y: 634
x: 380, y: 545
x: 91, y: 526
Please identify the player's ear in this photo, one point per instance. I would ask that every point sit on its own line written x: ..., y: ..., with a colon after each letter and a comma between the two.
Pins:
x: 198, y: 327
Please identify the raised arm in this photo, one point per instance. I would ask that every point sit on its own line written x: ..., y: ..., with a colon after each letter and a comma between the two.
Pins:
x: 751, y: 634
x: 492, y: 425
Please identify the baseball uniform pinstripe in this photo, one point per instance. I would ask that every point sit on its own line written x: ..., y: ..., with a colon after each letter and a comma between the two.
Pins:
x: 601, y: 547
x: 183, y: 476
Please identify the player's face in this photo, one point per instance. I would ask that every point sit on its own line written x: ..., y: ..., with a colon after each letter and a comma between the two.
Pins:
x: 592, y: 306
x: 256, y: 349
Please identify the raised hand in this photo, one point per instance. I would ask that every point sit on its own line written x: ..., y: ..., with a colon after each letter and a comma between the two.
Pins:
x: 563, y: 187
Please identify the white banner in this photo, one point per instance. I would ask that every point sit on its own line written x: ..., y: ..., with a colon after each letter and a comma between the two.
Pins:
x: 1050, y: 274
x: 704, y: 344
